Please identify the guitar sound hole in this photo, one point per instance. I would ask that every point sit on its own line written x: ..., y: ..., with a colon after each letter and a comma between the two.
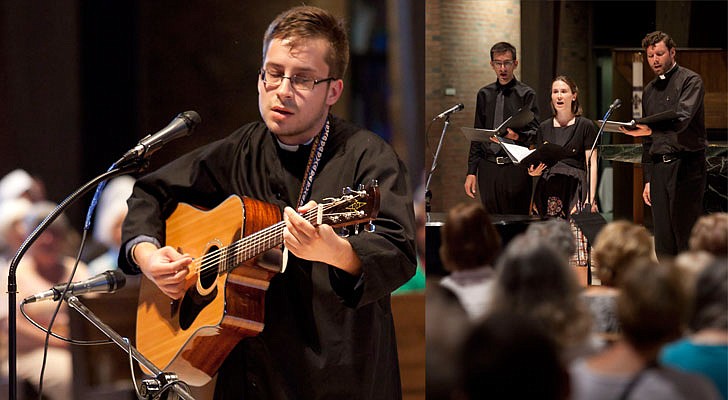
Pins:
x: 210, y: 266
x: 192, y: 303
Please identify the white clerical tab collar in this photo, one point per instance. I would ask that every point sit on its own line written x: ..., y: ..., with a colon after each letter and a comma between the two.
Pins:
x: 292, y: 147
x: 664, y: 76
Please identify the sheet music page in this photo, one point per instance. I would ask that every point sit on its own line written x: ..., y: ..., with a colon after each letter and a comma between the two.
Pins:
x: 518, y: 152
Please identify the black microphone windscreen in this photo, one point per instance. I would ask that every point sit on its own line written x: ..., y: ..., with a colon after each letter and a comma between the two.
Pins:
x: 192, y: 116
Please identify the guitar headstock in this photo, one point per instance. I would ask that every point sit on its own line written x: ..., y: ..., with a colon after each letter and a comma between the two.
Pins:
x: 353, y: 207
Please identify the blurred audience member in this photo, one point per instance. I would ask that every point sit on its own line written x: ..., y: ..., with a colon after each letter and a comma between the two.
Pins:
x: 107, y: 225
x: 652, y: 307
x: 43, y: 266
x: 535, y: 281
x: 18, y: 183
x: 558, y: 232
x: 470, y: 245
x: 446, y: 324
x: 12, y: 234
x: 692, y: 263
x: 508, y: 356
x: 705, y: 351
x: 710, y: 233
x: 618, y: 245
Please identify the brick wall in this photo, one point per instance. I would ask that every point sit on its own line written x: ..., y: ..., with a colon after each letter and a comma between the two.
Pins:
x: 458, y: 37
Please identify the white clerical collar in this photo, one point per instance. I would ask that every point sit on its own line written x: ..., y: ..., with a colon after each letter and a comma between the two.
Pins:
x: 292, y: 147
x: 664, y: 76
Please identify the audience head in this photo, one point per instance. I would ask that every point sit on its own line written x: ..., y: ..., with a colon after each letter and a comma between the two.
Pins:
x: 565, y: 93
x: 652, y: 305
x: 12, y: 232
x: 710, y: 233
x: 618, y: 245
x: 535, y: 281
x: 469, y: 239
x: 18, y: 183
x: 446, y: 324
x: 51, y: 244
x: 558, y: 232
x: 112, y: 210
x: 692, y: 263
x: 509, y: 356
x: 710, y: 299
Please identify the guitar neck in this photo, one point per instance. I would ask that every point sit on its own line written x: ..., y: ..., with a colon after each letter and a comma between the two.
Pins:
x: 259, y: 242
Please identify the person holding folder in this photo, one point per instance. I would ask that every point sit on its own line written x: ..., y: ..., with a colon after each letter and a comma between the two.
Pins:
x: 673, y: 151
x: 562, y: 188
x: 504, y: 187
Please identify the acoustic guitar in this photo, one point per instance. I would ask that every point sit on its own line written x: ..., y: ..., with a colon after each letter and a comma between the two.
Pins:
x: 236, y: 252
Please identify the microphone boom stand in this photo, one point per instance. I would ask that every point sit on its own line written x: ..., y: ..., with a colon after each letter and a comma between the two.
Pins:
x: 428, y: 193
x: 591, y: 151
x: 150, y: 388
x: 12, y: 281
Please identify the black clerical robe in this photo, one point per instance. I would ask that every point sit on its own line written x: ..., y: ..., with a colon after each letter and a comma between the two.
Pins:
x: 674, y: 157
x: 327, y: 335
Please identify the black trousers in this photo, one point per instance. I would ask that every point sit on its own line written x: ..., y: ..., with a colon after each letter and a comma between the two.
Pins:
x: 676, y: 192
x: 505, y: 188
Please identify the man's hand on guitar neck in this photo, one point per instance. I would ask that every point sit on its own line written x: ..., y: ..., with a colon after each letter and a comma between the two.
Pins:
x: 318, y: 243
x: 166, y: 267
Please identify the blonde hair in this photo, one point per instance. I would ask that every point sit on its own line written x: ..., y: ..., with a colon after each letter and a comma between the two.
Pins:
x: 618, y: 245
x: 710, y: 233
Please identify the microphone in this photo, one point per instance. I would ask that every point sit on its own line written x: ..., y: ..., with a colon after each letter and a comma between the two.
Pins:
x: 616, y: 104
x: 453, y: 109
x: 105, y: 282
x: 182, y: 125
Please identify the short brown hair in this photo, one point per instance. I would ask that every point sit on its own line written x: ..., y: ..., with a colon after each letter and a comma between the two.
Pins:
x: 469, y: 239
x: 306, y: 22
x: 655, y: 37
x: 618, y: 245
x: 653, y: 304
x: 710, y: 233
x: 502, y: 47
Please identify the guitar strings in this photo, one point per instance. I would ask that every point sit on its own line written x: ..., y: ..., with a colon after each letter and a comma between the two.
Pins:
x: 264, y: 236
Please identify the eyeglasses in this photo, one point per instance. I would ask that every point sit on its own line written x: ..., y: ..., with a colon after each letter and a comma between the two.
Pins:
x: 273, y: 79
x: 499, y: 64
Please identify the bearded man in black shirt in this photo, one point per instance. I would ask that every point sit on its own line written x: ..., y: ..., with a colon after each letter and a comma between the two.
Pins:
x: 673, y: 150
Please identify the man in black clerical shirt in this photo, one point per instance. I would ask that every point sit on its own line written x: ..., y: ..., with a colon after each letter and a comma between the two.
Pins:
x: 505, y: 188
x: 328, y: 331
x: 673, y: 150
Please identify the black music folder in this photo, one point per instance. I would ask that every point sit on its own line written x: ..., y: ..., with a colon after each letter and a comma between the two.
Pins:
x: 613, y: 126
x: 517, y: 121
x: 547, y: 153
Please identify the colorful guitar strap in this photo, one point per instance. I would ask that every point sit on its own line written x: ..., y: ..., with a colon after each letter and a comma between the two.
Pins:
x: 317, y: 151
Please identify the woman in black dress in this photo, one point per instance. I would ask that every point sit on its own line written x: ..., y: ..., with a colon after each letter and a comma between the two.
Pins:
x: 562, y: 188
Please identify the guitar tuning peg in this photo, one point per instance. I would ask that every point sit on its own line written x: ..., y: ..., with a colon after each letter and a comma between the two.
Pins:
x: 356, y: 229
x: 346, y: 190
x: 360, y: 187
x: 370, y: 227
x: 344, y: 232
